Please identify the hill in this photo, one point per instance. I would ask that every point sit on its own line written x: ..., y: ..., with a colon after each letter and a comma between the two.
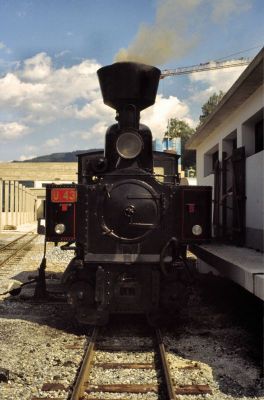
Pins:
x: 59, y: 157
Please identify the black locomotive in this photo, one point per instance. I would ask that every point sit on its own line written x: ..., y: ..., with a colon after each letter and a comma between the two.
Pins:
x: 130, y: 225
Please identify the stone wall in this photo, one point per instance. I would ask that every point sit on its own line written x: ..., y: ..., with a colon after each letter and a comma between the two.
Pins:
x: 43, y: 171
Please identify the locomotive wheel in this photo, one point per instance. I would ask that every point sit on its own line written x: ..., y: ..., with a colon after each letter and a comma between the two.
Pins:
x: 81, y: 293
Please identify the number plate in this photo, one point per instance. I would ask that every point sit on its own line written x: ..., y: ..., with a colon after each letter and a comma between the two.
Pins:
x: 65, y: 195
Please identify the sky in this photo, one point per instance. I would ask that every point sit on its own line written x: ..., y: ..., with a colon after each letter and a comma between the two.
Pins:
x: 50, y: 50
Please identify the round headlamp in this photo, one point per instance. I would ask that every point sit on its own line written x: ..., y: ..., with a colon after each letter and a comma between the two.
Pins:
x: 197, y: 230
x: 59, y: 229
x: 129, y: 145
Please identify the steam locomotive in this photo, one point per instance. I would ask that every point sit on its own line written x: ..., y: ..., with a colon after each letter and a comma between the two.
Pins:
x: 128, y: 219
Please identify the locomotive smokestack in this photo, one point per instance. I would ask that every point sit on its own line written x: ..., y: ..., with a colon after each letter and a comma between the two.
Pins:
x: 128, y: 83
x: 129, y: 87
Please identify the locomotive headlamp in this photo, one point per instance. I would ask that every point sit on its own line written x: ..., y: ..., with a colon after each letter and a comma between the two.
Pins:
x: 59, y: 229
x: 129, y: 145
x: 197, y: 230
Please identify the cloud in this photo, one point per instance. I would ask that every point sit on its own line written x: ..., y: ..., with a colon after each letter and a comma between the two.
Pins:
x: 30, y: 148
x: 4, y: 48
x: 37, y: 68
x: 92, y: 110
x: 52, y: 142
x: 62, y: 53
x: 43, y: 94
x: 94, y: 136
x: 222, y: 10
x: 7, y: 65
x: 157, y: 116
x: 12, y: 130
x: 16, y: 93
x: 38, y: 98
x: 213, y: 81
x: 99, y: 130
x: 24, y: 157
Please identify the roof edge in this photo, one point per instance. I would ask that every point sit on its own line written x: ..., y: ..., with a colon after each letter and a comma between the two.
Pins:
x: 205, y: 127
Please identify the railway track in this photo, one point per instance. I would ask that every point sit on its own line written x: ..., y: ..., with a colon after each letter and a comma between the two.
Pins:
x: 165, y: 388
x: 13, y: 248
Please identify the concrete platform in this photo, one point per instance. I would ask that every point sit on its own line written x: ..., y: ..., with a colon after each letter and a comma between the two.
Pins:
x: 259, y: 286
x: 242, y: 265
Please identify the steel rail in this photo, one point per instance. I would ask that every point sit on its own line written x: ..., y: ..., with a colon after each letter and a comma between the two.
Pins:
x: 17, y: 251
x: 86, y: 366
x: 83, y: 387
x: 165, y: 366
x: 9, y: 244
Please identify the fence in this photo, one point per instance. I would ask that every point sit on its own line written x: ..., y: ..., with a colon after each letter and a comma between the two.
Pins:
x: 17, y: 204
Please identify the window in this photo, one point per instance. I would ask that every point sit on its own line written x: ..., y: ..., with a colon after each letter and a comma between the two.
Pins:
x: 28, y: 184
x: 215, y: 158
x: 252, y: 134
x: 210, y: 159
x: 259, y: 136
x: 229, y: 143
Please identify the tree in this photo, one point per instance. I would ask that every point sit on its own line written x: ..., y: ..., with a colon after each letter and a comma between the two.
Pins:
x: 180, y: 128
x: 210, y: 105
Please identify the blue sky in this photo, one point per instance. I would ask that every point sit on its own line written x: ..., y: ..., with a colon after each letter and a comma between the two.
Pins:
x: 50, y: 50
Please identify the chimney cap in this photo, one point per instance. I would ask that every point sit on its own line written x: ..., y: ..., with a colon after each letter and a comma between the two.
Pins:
x: 125, y: 83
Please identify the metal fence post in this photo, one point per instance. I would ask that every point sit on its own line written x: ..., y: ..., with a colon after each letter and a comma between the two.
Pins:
x: 6, y: 208
x: 27, y: 206
x: 20, y: 205
x: 1, y: 203
x: 32, y: 208
x: 16, y: 203
x: 12, y: 202
x: 24, y: 203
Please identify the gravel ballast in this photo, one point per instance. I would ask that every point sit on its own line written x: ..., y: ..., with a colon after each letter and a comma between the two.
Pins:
x: 220, y: 331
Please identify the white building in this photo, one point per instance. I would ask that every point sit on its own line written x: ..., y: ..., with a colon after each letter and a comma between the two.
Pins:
x: 230, y: 155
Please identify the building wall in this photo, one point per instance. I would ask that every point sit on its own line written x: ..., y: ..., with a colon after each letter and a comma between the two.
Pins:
x: 239, y: 126
x: 17, y: 204
x: 254, y: 202
x: 43, y: 171
x: 36, y: 175
x: 235, y: 123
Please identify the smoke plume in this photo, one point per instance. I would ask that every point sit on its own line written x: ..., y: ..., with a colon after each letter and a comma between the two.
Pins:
x: 177, y: 28
x: 168, y: 37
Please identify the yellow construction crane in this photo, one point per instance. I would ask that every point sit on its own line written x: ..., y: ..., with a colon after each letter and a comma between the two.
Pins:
x: 208, y: 66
